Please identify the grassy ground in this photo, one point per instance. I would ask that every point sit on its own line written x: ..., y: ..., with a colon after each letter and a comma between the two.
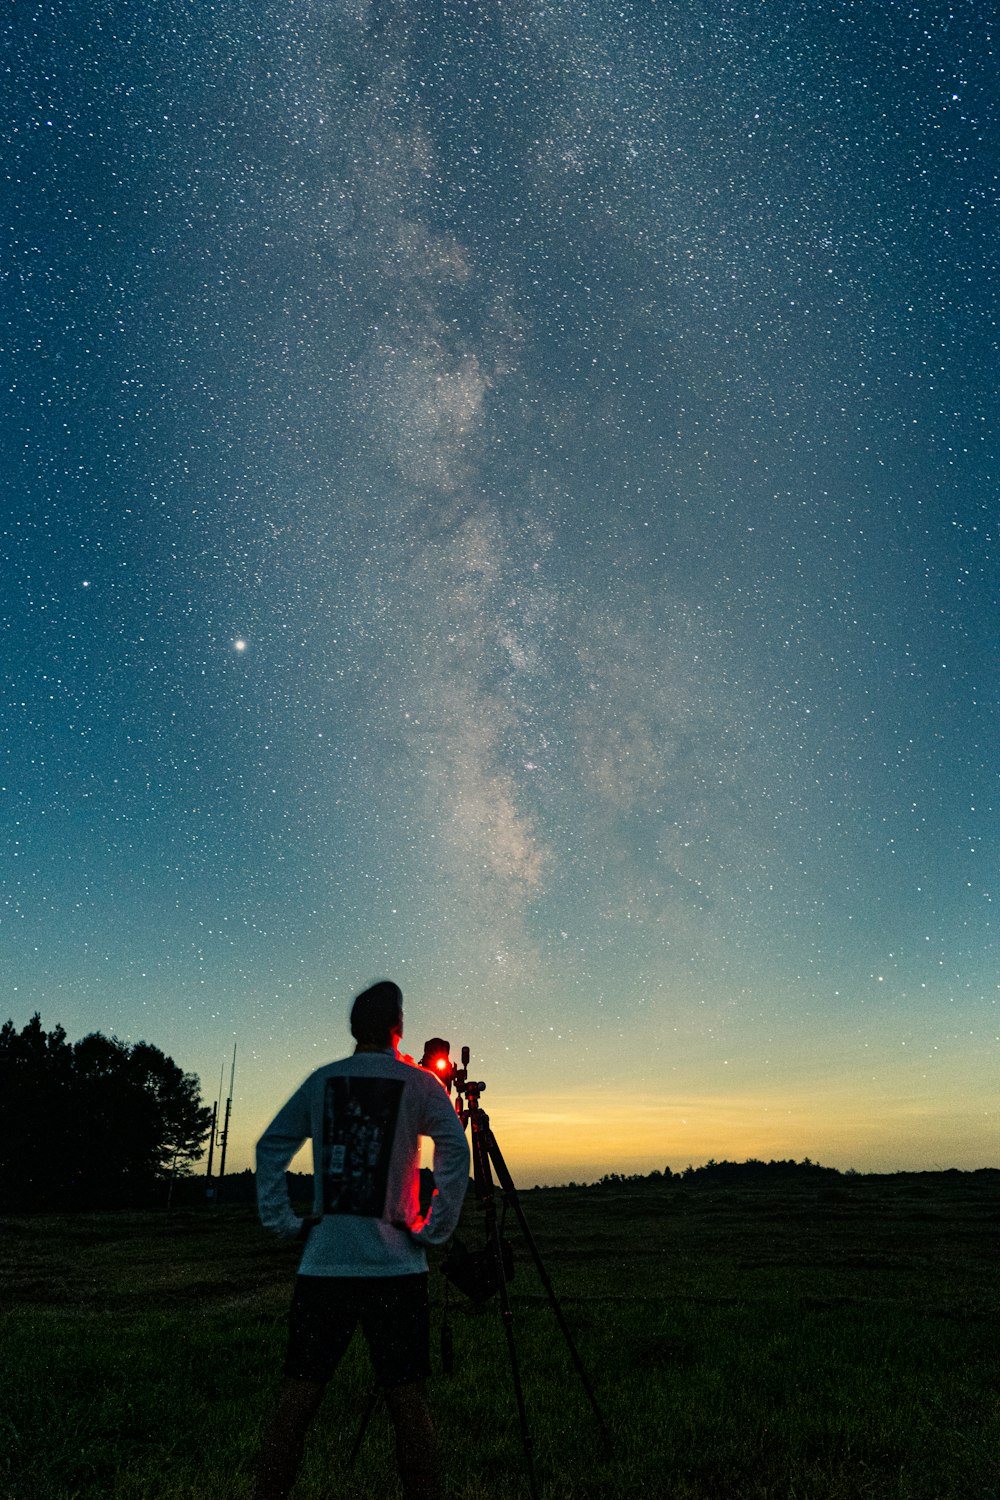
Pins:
x: 788, y: 1342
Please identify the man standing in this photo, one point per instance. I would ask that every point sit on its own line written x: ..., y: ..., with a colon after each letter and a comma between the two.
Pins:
x: 364, y: 1258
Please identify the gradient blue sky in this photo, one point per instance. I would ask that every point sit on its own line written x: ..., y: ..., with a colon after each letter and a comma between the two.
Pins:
x: 505, y: 498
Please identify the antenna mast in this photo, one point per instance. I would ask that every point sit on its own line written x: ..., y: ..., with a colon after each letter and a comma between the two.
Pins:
x: 213, y: 1139
x: 225, y: 1126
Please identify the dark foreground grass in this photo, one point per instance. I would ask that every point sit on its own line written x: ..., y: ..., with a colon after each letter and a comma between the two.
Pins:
x: 791, y: 1343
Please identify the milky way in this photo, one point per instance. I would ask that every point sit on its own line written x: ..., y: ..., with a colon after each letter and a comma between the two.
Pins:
x: 505, y: 497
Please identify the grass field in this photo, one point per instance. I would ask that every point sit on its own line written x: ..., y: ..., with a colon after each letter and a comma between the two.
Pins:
x: 788, y: 1342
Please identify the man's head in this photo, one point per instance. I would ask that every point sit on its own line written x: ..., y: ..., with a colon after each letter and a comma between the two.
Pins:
x: 377, y: 1015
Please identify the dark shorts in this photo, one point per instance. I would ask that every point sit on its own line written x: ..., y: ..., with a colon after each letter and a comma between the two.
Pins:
x: 392, y: 1310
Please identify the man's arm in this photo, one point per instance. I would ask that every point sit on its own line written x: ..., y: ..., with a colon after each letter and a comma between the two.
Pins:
x: 275, y: 1149
x: 451, y: 1168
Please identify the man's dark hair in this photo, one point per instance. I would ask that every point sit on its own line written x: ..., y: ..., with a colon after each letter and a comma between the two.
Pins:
x: 377, y: 1013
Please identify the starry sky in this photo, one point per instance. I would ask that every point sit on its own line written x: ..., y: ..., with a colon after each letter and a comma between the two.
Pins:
x: 504, y: 497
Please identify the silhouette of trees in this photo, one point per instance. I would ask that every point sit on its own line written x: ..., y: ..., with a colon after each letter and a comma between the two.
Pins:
x: 752, y: 1170
x: 96, y: 1123
x: 737, y: 1173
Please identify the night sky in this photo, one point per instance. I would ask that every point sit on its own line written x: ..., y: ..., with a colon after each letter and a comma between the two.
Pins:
x: 503, y: 497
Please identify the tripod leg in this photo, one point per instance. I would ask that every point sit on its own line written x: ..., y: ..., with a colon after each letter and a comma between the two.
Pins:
x: 495, y: 1155
x: 487, y: 1194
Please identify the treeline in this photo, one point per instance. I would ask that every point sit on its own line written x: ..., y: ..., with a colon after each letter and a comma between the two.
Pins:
x: 241, y: 1187
x: 737, y: 1172
x: 92, y: 1124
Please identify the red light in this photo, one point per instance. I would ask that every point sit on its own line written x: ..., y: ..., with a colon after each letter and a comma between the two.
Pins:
x: 436, y: 1060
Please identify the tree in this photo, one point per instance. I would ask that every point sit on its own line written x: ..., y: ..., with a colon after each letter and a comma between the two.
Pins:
x: 35, y: 1114
x: 97, y: 1123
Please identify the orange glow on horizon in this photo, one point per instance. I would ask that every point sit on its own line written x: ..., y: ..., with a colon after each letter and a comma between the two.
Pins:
x: 894, y: 1119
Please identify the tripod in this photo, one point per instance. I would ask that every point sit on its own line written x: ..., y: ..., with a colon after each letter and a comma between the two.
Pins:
x: 487, y: 1158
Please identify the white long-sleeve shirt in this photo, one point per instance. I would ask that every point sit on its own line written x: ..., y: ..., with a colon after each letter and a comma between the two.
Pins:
x: 365, y: 1115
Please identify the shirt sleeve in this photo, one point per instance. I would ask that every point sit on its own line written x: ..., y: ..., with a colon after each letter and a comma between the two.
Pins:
x: 275, y: 1149
x: 451, y: 1167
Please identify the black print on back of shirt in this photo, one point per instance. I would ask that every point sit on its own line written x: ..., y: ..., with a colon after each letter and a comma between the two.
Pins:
x: 359, y: 1127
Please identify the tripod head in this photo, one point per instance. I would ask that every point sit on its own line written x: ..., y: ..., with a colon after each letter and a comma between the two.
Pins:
x: 437, y: 1060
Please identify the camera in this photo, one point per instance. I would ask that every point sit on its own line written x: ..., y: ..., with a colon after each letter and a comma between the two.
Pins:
x: 437, y: 1060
